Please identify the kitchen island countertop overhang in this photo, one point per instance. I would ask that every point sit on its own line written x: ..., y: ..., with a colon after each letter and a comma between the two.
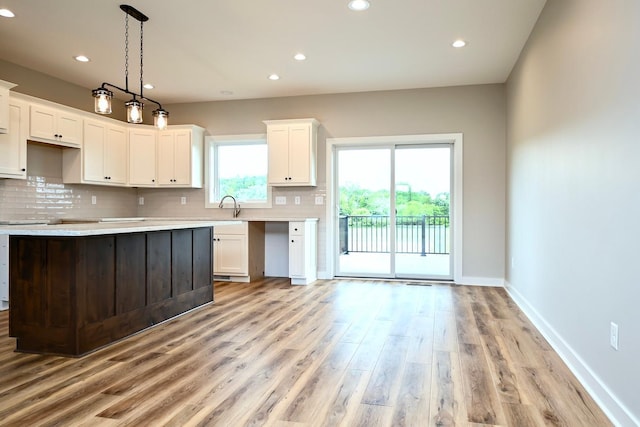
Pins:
x: 78, y: 287
x: 103, y: 227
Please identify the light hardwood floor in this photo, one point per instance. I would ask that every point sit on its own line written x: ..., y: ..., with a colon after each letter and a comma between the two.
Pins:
x: 344, y: 352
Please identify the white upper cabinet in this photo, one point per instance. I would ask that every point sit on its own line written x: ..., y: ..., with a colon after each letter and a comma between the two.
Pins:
x: 55, y: 126
x: 142, y: 156
x: 180, y: 157
x: 5, y: 119
x: 292, y: 152
x: 103, y: 158
x: 13, y: 145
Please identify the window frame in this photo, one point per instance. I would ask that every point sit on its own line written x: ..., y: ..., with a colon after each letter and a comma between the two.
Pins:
x: 212, y: 200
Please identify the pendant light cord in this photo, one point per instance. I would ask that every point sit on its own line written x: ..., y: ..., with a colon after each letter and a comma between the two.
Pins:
x: 141, y: 51
x: 126, y: 51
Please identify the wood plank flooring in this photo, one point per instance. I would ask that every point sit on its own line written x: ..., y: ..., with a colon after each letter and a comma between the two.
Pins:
x: 336, y: 353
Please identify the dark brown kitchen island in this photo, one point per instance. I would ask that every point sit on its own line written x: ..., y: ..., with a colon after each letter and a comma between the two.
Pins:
x: 77, y: 288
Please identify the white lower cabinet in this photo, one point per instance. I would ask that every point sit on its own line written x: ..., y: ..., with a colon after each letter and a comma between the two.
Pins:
x: 238, y: 251
x: 303, y: 265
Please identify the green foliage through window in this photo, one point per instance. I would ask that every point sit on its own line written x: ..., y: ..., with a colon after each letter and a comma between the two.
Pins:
x: 360, y: 201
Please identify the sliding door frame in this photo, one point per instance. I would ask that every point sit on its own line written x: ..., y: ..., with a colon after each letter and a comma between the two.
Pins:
x: 332, y: 206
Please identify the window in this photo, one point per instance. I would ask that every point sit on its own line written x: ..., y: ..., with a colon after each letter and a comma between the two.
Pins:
x: 237, y: 166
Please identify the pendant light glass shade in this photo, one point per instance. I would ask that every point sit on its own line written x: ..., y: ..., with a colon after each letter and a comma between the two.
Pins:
x: 102, y: 101
x: 160, y: 118
x: 134, y: 111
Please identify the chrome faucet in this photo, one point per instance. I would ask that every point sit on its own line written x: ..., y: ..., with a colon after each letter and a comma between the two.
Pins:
x: 236, y: 207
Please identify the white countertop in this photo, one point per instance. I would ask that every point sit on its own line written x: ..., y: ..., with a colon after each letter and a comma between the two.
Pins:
x: 107, y: 227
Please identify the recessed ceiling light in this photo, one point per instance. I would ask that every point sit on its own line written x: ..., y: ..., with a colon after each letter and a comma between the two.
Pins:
x: 7, y: 13
x: 359, y: 5
x: 299, y: 57
x: 226, y: 92
x: 459, y: 43
x: 148, y: 86
x: 81, y: 58
x: 274, y: 77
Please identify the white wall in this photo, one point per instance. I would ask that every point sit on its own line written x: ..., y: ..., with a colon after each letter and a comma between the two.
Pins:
x: 573, y: 128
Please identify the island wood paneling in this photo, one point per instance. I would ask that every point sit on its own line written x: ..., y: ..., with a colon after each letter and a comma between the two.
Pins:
x: 131, y: 273
x: 72, y: 295
x: 159, y: 266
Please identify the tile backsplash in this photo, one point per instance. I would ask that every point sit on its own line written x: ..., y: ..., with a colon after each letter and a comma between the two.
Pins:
x: 41, y: 197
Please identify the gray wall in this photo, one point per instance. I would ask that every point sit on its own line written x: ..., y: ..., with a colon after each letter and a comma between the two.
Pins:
x: 573, y: 180
x: 41, y: 85
x: 477, y: 111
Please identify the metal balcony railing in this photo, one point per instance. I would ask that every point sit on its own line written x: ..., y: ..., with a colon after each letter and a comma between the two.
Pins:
x: 424, y: 234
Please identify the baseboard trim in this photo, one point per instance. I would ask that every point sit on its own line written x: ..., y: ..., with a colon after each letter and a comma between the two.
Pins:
x: 481, y: 281
x: 323, y: 275
x: 618, y: 413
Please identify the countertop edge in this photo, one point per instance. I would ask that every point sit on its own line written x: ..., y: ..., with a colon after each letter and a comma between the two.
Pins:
x: 103, y: 228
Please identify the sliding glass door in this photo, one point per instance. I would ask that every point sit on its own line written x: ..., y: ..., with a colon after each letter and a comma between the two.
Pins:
x: 394, y: 216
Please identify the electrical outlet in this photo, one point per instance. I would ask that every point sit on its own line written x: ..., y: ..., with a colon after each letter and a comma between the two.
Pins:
x: 141, y: 201
x: 296, y: 200
x: 94, y: 200
x: 281, y: 200
x: 319, y: 200
x: 613, y: 339
x: 183, y: 200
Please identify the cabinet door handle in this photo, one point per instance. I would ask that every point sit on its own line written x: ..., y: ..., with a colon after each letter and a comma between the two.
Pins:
x: 23, y: 170
x: 292, y: 241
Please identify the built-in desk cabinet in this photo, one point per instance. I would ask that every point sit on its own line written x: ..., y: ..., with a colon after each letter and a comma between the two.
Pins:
x: 56, y: 126
x: 13, y: 145
x: 303, y: 241
x: 292, y: 152
x: 238, y: 253
x: 103, y: 158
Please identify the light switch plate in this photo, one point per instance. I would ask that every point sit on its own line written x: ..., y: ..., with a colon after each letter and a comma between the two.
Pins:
x: 296, y: 200
x: 281, y: 200
x: 141, y: 201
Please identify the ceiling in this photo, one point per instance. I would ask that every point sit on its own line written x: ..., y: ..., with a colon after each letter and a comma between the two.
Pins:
x: 205, y: 50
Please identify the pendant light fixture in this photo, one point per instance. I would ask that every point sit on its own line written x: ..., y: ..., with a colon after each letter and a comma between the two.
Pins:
x: 103, y: 96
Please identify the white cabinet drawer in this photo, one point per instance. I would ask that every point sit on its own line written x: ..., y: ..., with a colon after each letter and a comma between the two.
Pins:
x: 231, y: 229
x: 296, y: 229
